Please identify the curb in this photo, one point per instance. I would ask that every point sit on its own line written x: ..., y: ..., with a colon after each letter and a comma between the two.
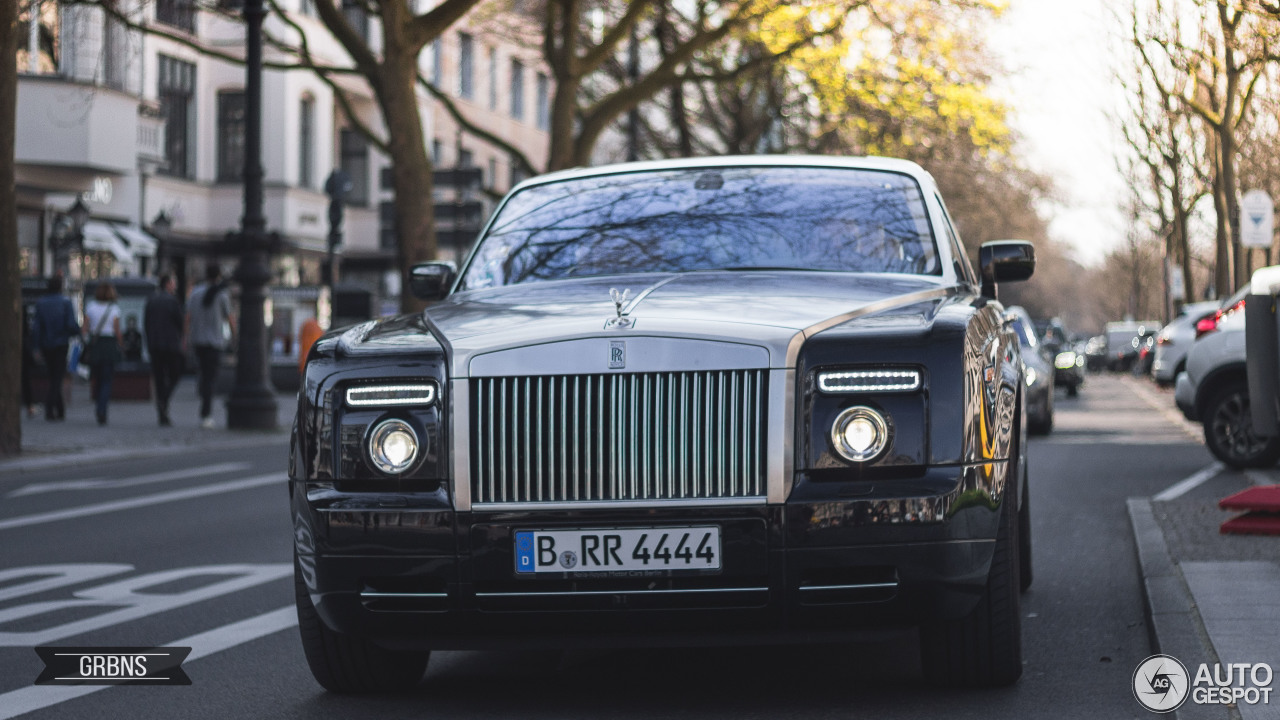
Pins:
x: 1173, y: 623
x: 61, y: 459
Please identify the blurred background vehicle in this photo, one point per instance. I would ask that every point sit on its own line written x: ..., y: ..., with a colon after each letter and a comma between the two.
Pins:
x: 1175, y: 339
x: 1069, y: 368
x: 1124, y: 340
x: 1214, y: 391
x: 1095, y: 353
x: 1038, y: 371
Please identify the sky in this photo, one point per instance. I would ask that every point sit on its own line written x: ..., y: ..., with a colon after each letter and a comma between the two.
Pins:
x: 1059, y: 57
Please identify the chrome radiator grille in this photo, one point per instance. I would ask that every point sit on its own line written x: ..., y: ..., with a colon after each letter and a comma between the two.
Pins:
x: 590, y: 438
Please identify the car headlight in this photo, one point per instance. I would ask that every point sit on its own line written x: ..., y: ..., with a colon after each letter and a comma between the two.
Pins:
x: 394, y: 446
x: 860, y: 433
x: 1031, y: 377
x: 1065, y: 360
x: 858, y: 381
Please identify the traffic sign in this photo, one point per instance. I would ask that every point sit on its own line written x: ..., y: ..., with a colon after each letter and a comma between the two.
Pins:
x: 1257, y: 216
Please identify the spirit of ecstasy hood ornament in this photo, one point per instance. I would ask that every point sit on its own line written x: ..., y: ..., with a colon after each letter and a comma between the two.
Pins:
x: 619, y: 299
x: 621, y: 322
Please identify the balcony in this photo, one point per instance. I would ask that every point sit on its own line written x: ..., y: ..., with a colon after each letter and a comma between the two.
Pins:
x: 63, y: 125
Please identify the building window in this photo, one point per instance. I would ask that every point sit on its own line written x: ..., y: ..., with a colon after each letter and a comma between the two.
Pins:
x: 306, y: 142
x: 437, y: 151
x: 385, y: 179
x: 466, y: 64
x: 308, y: 8
x: 357, y: 17
x: 176, y: 86
x: 493, y: 173
x: 114, y: 64
x: 437, y: 63
x: 231, y: 128
x: 517, y: 89
x: 355, y: 162
x: 543, y: 108
x: 517, y: 175
x: 180, y: 14
x: 387, y: 225
x: 493, y: 78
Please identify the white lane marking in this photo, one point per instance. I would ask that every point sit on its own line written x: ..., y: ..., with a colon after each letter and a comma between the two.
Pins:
x: 133, y: 598
x: 38, y: 697
x: 144, y: 501
x: 1182, y: 487
x: 48, y: 577
x: 97, y: 483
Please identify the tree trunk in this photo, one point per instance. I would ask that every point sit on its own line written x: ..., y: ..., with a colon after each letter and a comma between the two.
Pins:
x: 564, y: 107
x: 10, y: 288
x: 410, y: 168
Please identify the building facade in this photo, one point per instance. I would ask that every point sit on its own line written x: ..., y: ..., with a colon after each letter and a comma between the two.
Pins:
x: 141, y: 117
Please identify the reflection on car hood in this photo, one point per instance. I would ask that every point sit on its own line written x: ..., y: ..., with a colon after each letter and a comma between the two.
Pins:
x: 767, y: 308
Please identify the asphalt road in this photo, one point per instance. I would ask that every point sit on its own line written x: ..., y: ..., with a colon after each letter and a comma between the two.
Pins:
x: 195, y: 550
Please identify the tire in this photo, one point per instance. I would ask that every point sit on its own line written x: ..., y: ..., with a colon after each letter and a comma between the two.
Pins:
x: 1228, y: 430
x: 1073, y: 391
x: 1043, y: 425
x: 1025, y: 574
x: 345, y: 664
x: 983, y: 649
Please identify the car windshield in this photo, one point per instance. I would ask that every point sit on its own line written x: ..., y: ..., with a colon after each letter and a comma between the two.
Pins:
x: 832, y: 219
x: 1025, y: 337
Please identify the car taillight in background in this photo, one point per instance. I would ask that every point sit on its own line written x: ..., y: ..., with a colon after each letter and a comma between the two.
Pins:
x: 1209, y: 323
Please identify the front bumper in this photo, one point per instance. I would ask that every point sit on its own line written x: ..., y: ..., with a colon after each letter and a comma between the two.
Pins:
x: 838, y: 559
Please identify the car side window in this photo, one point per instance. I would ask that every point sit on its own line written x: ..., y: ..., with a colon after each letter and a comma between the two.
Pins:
x: 963, y: 269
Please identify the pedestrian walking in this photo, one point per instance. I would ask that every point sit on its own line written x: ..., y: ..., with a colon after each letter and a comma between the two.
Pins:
x: 162, y: 324
x: 208, y: 312
x: 102, y: 327
x: 55, y: 325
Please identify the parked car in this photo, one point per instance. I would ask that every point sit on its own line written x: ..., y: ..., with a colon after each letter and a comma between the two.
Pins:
x: 1125, y: 340
x: 1214, y: 391
x: 689, y: 401
x: 1175, y: 339
x: 1039, y: 372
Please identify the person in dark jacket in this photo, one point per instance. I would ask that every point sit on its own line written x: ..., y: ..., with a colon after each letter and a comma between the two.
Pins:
x: 55, y: 325
x: 162, y: 323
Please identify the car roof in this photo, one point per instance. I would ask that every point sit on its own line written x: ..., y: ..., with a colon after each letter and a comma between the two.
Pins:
x: 897, y: 165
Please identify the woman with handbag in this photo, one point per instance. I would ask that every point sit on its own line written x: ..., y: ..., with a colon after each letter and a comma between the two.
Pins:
x: 102, y: 350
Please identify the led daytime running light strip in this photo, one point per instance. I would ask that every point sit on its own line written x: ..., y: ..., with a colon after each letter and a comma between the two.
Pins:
x: 385, y: 395
x: 869, y: 381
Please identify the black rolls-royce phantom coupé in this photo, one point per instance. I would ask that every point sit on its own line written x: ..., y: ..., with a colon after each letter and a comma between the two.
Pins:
x: 721, y: 400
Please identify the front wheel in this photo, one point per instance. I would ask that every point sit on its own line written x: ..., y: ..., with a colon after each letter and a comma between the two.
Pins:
x: 1228, y: 430
x: 345, y: 664
x: 984, y: 648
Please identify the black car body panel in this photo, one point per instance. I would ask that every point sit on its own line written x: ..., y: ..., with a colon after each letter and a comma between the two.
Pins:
x: 824, y: 546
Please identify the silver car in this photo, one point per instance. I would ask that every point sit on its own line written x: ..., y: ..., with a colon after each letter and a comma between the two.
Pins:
x: 1174, y: 341
x: 1214, y: 391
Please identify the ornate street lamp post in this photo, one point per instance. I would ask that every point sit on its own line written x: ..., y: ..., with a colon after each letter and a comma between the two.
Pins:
x: 251, y: 404
x: 160, y: 228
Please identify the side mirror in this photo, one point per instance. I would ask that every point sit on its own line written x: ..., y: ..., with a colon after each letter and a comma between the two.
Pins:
x: 432, y: 281
x: 1005, y: 261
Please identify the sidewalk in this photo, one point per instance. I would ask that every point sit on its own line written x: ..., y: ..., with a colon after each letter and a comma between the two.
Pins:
x: 133, y: 430
x: 1210, y: 598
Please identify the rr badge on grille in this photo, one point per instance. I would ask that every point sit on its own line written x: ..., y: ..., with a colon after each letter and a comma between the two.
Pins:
x: 617, y: 354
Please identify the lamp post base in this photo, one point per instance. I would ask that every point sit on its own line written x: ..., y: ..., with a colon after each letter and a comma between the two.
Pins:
x: 251, y: 408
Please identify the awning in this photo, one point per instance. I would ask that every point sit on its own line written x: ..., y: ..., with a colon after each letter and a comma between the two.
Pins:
x: 139, y: 242
x: 99, y: 236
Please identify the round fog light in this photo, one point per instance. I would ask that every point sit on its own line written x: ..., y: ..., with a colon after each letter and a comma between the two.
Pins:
x: 393, y: 446
x: 859, y: 434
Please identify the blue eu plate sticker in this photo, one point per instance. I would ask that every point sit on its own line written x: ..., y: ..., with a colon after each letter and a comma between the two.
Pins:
x: 524, y: 552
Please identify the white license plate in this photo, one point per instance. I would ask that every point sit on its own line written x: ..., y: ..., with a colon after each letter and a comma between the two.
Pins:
x: 617, y: 550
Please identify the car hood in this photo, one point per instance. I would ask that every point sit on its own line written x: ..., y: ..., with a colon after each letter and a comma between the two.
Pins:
x: 766, y: 310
